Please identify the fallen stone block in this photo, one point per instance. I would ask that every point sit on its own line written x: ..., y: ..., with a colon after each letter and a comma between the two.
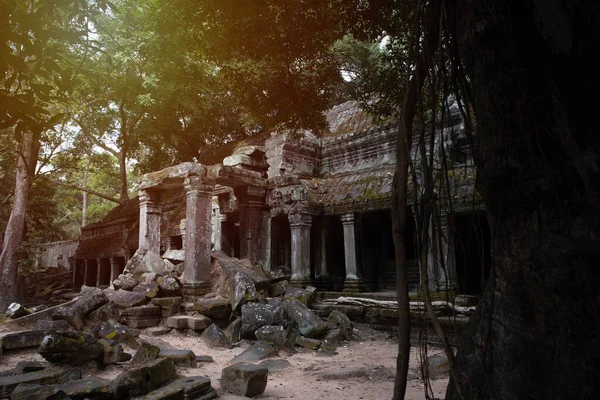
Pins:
x: 278, y: 288
x: 90, y: 300
x: 16, y: 310
x: 255, y: 315
x: 48, y: 376
x: 87, y: 388
x: 106, y: 312
x: 181, y: 358
x: 204, y: 359
x: 244, y: 379
x: 437, y: 365
x: 46, y: 325
x: 69, y: 348
x: 22, y: 340
x: 33, y: 391
x: 112, y: 330
x: 276, y: 365
x: 174, y: 255
x: 215, y: 308
x: 234, y: 330
x: 197, y: 323
x: 141, y: 317
x: 244, y: 291
x: 157, y: 331
x: 141, y: 380
x: 258, y: 351
x: 112, y: 352
x: 146, y: 352
x: 169, y: 305
x: 24, y: 367
x: 305, y: 296
x: 194, y: 387
x: 331, y: 340
x: 308, y: 323
x: 169, y: 287
x: 125, y: 281
x: 213, y: 336
x: 274, y: 334
x: 308, y: 343
x: 342, y: 322
x: 150, y: 290
x: 124, y: 299
x: 144, y: 261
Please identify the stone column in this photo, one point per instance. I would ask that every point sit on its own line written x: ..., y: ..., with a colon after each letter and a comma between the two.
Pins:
x: 85, y: 272
x: 98, y: 271
x: 300, y: 226
x: 322, y: 278
x: 149, y: 220
x: 74, y: 285
x: 216, y: 233
x: 253, y: 216
x: 198, y: 216
x: 447, y: 279
x: 352, y: 283
x: 113, y: 270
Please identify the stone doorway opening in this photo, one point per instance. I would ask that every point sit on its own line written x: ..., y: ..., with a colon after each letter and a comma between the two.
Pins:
x: 281, y: 240
x: 473, y: 257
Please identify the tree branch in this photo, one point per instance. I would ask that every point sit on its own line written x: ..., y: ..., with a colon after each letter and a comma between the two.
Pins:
x: 87, y: 190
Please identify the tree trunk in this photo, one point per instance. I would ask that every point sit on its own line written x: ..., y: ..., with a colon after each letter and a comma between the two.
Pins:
x: 84, y: 193
x: 535, y: 88
x: 122, y: 155
x: 15, y: 229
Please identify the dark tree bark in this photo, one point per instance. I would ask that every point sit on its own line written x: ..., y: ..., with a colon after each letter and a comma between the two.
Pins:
x: 29, y: 148
x: 535, y: 88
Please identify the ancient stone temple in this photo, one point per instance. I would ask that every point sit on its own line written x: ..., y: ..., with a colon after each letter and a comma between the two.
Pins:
x: 312, y: 207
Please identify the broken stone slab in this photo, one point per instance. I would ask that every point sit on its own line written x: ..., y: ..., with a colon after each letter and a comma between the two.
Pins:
x: 332, y: 340
x: 21, y: 340
x: 243, y: 291
x: 106, y: 312
x: 181, y: 358
x: 169, y: 305
x: 276, y: 365
x: 308, y: 323
x: 24, y: 367
x: 274, y: 334
x: 214, y: 308
x: 58, y: 325
x: 197, y: 323
x: 141, y: 317
x: 144, y: 261
x: 193, y: 387
x: 150, y: 290
x: 125, y: 281
x: 345, y: 374
x: 204, y: 359
x: 16, y: 310
x: 308, y: 343
x: 233, y: 330
x: 90, y: 300
x: 87, y: 388
x: 258, y: 351
x: 306, y: 295
x: 33, y: 391
x: 244, y: 379
x: 145, y: 353
x: 112, y: 330
x: 437, y: 365
x: 148, y: 277
x: 29, y: 321
x: 174, y: 255
x: 48, y: 376
x: 255, y: 315
x: 157, y: 330
x: 213, y: 336
x: 124, y: 299
x: 141, y: 380
x: 112, y: 352
x: 342, y: 322
x: 278, y: 288
x: 169, y: 287
x: 69, y: 347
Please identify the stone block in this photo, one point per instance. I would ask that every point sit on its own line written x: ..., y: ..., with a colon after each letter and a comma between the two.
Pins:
x: 276, y: 365
x: 48, y: 376
x: 169, y: 305
x: 169, y: 287
x: 233, y: 330
x: 258, y: 351
x: 112, y: 352
x: 106, y: 312
x: 244, y: 290
x: 213, y: 336
x: 124, y: 299
x: 146, y: 352
x: 144, y: 261
x: 125, y: 281
x: 181, y: 358
x: 90, y: 300
x: 332, y: 340
x: 437, y: 365
x: 22, y: 340
x: 141, y: 317
x: 141, y: 380
x: 24, y: 367
x: 255, y: 315
x: 273, y: 334
x: 70, y: 348
x: 342, y: 322
x: 215, y: 308
x: 308, y: 343
x: 113, y: 330
x: 197, y: 323
x: 150, y: 290
x: 157, y: 331
x: 305, y: 296
x: 244, y: 379
x: 33, y: 391
x: 193, y: 387
x: 16, y: 310
x: 278, y: 288
x: 308, y: 323
x: 87, y: 388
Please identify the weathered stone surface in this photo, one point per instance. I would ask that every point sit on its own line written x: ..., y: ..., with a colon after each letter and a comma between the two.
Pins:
x: 141, y: 317
x: 306, y: 295
x: 112, y: 352
x: 145, y: 261
x: 141, y: 380
x: 308, y: 323
x: 24, y: 367
x: 214, y: 308
x: 276, y: 365
x: 244, y: 291
x: 169, y: 287
x: 169, y: 305
x: 345, y: 374
x: 332, y: 340
x: 113, y: 330
x: 273, y: 334
x: 47, y: 325
x: 258, y: 351
x: 90, y: 300
x: 197, y: 323
x: 70, y: 348
x: 150, y: 290
x: 106, y: 312
x: 22, y: 340
x: 233, y: 330
x: 148, y: 277
x: 174, y: 255
x: 437, y: 365
x: 244, y: 379
x: 194, y: 387
x: 34, y: 391
x: 124, y: 299
x: 157, y: 330
x: 181, y: 357
x: 308, y: 343
x: 125, y: 281
x: 88, y: 388
x: 255, y: 315
x: 204, y: 359
x: 278, y: 288
x: 16, y: 310
x: 47, y: 376
x: 213, y: 336
x: 145, y: 353
x: 342, y: 322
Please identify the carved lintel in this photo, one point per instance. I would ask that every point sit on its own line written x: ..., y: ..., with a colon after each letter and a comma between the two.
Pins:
x: 198, y: 186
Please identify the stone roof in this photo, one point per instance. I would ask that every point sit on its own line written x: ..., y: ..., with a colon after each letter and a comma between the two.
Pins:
x: 350, y: 117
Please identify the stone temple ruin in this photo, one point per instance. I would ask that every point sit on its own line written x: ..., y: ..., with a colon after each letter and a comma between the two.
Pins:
x: 282, y: 240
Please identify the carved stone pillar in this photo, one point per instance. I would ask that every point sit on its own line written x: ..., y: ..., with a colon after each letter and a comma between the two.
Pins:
x: 149, y: 220
x: 352, y: 283
x: 253, y: 223
x: 98, y: 271
x: 446, y: 278
x: 300, y: 226
x: 113, y: 271
x: 216, y: 232
x: 75, y: 273
x: 85, y: 272
x: 322, y: 278
x: 198, y: 215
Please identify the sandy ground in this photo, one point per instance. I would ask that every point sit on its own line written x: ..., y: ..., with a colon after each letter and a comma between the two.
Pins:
x: 361, y: 369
